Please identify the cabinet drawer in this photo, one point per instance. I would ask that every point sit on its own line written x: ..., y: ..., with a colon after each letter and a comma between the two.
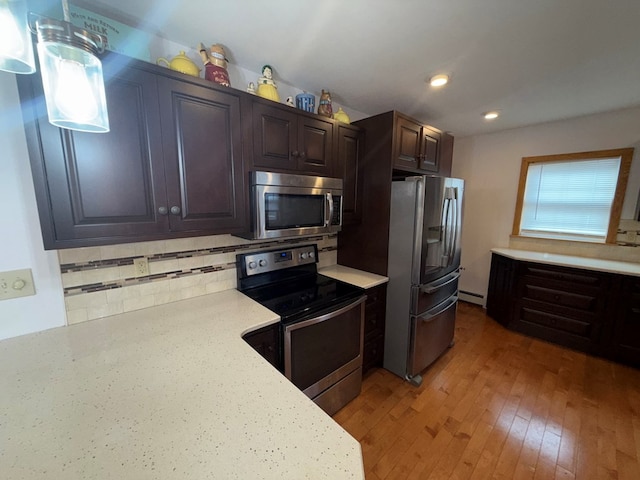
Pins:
x: 571, y: 278
x: 373, y: 353
x: 587, y: 303
x: 557, y: 322
x: 374, y: 323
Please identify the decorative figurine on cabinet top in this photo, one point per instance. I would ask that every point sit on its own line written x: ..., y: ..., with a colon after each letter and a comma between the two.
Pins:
x: 341, y: 116
x: 324, y: 106
x: 289, y: 101
x: 267, y: 88
x: 215, y: 64
x: 251, y: 88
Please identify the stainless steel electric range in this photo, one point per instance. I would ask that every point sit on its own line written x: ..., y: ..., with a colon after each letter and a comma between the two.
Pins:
x: 322, y: 321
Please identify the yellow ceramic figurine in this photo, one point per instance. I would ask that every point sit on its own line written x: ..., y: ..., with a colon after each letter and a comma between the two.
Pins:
x: 266, y: 86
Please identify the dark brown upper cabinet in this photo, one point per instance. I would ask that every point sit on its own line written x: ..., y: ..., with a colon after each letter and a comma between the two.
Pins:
x: 170, y: 166
x: 287, y: 140
x: 416, y: 146
x: 349, y: 145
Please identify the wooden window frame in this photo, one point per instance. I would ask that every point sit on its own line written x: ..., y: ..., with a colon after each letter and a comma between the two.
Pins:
x: 625, y: 154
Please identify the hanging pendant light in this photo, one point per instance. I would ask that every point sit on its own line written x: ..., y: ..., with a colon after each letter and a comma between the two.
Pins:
x: 16, y: 49
x: 72, y: 76
x: 69, y: 65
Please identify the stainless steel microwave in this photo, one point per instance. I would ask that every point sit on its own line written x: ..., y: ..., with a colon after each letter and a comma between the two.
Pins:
x: 285, y: 205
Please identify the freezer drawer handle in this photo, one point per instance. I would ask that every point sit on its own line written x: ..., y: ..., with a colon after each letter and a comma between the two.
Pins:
x: 432, y: 287
x: 448, y: 303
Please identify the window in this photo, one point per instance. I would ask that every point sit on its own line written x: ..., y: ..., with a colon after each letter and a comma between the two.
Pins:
x: 574, y: 196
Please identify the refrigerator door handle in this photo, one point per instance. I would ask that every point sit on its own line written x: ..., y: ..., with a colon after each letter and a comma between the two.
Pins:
x: 441, y: 308
x: 432, y: 287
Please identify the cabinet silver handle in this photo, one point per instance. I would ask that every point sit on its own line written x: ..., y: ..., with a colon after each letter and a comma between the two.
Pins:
x: 295, y: 153
x: 163, y: 210
x: 175, y: 210
x: 303, y: 155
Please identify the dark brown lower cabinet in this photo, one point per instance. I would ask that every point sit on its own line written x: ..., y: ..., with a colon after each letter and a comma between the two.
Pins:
x: 591, y: 311
x: 374, y: 321
x: 266, y: 341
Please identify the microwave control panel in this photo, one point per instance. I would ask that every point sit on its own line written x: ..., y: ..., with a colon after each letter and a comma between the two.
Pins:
x: 271, y: 260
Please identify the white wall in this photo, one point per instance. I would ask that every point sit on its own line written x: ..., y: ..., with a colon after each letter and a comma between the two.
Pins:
x: 20, y: 236
x: 490, y: 164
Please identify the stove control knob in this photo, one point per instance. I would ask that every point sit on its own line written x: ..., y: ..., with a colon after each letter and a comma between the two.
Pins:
x: 311, y: 254
x: 252, y: 265
x: 262, y: 263
x: 303, y: 255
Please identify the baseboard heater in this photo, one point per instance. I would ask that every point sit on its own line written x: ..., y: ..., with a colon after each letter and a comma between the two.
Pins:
x: 471, y: 297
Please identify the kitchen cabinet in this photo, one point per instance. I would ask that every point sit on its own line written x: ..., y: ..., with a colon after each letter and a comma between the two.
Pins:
x: 392, y: 148
x: 288, y: 140
x: 349, y: 141
x: 266, y: 341
x: 416, y: 147
x: 501, y: 288
x: 587, y: 310
x: 170, y: 166
x: 374, y: 324
x: 624, y: 344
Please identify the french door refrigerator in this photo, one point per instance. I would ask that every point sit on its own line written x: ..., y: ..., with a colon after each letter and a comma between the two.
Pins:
x: 423, y: 271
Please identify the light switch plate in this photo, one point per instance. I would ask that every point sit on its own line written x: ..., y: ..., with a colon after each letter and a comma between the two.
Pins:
x: 16, y: 283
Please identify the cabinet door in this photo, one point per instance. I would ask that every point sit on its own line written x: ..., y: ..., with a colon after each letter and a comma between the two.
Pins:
x: 429, y: 150
x: 275, y: 138
x: 407, y: 138
x: 266, y: 341
x: 315, y: 146
x: 625, y: 344
x: 501, y: 288
x: 202, y: 143
x: 349, y: 144
x: 98, y: 188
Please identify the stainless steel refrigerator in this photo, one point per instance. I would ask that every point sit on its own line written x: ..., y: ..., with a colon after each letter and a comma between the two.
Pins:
x: 423, y: 271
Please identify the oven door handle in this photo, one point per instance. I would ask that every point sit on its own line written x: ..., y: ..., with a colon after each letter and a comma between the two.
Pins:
x: 326, y: 316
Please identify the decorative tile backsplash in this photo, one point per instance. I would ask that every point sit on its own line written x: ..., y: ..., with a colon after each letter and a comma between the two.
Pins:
x: 624, y: 250
x: 101, y: 281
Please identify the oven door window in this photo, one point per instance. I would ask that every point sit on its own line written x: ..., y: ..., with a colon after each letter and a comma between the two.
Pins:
x: 318, y: 350
x: 283, y: 211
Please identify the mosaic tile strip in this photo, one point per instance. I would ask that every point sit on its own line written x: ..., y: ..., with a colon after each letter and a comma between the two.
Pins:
x: 96, y: 287
x: 117, y: 262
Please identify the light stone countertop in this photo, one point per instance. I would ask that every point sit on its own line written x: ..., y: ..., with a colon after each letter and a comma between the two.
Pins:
x: 355, y: 277
x: 611, y: 266
x: 169, y: 392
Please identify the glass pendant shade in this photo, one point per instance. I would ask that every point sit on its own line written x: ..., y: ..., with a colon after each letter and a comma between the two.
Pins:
x: 16, y: 49
x: 72, y: 77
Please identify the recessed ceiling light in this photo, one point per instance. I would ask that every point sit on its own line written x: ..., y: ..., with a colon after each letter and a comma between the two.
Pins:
x: 439, y: 80
x: 490, y: 115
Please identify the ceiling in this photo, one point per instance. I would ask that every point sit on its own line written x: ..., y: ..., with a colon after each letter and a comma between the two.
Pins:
x: 533, y: 60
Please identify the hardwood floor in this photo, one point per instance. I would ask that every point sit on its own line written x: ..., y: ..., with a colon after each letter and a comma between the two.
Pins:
x: 500, y: 405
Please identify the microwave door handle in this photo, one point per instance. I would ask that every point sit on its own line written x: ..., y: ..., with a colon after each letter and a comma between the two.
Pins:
x: 327, y: 221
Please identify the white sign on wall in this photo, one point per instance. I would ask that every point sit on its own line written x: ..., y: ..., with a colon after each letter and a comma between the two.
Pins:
x: 121, y: 38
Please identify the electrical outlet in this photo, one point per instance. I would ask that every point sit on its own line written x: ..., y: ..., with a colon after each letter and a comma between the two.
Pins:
x: 141, y: 266
x: 16, y: 283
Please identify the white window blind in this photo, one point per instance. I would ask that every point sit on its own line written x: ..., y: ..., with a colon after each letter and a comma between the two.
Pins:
x: 569, y: 200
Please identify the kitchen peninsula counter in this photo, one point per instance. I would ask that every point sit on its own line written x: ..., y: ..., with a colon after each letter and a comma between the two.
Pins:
x: 169, y: 392
x: 610, y: 266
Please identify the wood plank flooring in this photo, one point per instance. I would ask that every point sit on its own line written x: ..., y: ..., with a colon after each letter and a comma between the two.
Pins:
x: 500, y: 405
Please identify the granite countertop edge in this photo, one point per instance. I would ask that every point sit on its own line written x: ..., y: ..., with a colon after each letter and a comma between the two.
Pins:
x: 610, y: 266
x: 166, y: 392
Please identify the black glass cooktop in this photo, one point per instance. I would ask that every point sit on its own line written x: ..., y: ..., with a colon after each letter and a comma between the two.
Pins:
x: 304, y: 297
